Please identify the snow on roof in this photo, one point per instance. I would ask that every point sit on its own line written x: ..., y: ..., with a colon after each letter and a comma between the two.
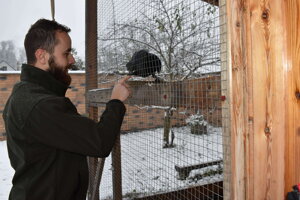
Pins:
x: 10, y: 72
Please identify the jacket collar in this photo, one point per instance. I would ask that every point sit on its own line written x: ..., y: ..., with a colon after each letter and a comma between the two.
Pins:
x: 45, y: 79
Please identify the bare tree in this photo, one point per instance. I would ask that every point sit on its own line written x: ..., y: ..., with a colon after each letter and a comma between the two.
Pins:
x: 79, y: 63
x: 8, y: 53
x: 183, y: 36
x: 21, y: 56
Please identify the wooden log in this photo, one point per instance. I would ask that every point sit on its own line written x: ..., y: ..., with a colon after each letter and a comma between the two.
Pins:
x: 184, y: 171
x: 143, y: 93
x: 212, y: 2
x: 189, y: 93
x: 201, y: 192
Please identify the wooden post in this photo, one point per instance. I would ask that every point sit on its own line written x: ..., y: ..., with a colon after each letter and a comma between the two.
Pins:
x: 91, y: 75
x: 238, y: 96
x: 117, y: 169
x: 268, y: 63
x: 292, y: 65
x: 257, y: 61
x: 226, y: 139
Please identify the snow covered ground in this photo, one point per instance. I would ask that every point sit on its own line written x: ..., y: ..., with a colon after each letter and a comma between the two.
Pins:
x: 147, y: 168
x: 6, y: 172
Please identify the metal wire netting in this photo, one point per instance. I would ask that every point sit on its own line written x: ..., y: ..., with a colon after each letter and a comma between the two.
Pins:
x: 175, y: 141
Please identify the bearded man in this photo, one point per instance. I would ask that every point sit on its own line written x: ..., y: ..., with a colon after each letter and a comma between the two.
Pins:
x: 47, y: 139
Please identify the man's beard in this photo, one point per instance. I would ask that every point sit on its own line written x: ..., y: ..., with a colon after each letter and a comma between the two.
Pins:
x: 59, y: 73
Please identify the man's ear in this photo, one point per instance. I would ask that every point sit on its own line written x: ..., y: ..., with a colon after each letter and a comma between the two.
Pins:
x: 42, y: 56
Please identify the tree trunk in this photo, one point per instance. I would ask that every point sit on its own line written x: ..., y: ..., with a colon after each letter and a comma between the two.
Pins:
x: 167, y: 128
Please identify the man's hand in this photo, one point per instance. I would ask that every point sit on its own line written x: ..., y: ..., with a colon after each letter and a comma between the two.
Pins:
x: 121, y: 89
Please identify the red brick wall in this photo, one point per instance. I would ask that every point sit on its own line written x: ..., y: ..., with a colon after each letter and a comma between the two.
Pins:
x: 6, y: 84
x: 76, y: 93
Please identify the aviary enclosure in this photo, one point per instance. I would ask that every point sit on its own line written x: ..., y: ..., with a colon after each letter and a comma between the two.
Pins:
x: 214, y: 101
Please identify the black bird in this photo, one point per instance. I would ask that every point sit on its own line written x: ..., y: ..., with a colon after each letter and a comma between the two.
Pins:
x: 144, y: 64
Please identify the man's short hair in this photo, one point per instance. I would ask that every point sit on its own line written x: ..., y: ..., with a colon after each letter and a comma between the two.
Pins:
x: 41, y: 35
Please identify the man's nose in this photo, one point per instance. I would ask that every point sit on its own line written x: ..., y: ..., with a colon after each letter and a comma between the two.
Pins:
x: 71, y: 59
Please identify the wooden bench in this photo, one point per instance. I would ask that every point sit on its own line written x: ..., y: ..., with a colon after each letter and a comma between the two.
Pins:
x: 184, y: 171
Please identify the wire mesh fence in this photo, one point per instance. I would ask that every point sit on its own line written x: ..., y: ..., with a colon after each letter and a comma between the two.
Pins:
x: 175, y: 140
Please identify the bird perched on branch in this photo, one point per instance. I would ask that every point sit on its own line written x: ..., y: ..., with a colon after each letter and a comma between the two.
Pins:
x: 144, y: 64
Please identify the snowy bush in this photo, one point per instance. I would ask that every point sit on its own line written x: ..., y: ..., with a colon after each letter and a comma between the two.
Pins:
x: 196, y: 119
x: 197, y: 123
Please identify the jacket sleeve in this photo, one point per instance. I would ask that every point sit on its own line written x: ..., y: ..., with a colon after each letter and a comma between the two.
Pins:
x: 55, y: 122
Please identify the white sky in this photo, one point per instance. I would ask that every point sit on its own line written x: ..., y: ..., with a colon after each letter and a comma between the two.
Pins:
x: 16, y: 16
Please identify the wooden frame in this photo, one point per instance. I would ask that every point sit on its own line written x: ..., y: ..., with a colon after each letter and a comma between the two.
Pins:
x: 264, y: 68
x: 211, y: 191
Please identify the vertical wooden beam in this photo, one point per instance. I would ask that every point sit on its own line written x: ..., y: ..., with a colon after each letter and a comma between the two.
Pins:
x: 240, y: 98
x: 91, y: 73
x: 91, y: 44
x: 292, y: 163
x: 117, y: 175
x: 257, y: 58
x: 52, y: 3
x: 225, y: 74
x: 268, y: 57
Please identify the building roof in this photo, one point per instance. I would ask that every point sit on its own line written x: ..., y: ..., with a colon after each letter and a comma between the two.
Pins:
x: 3, y: 61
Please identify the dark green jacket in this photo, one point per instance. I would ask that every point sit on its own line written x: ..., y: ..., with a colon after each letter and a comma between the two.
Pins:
x: 48, y: 140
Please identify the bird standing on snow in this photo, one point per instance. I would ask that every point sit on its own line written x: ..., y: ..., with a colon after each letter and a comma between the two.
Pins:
x: 144, y: 64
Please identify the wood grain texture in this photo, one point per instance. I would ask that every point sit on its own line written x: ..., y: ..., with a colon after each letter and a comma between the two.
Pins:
x: 258, y: 87
x: 225, y: 74
x: 267, y: 58
x: 238, y: 89
x: 292, y: 163
x: 201, y: 93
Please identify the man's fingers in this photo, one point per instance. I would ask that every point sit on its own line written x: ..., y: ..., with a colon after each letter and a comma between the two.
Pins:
x: 126, y: 85
x: 123, y: 80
